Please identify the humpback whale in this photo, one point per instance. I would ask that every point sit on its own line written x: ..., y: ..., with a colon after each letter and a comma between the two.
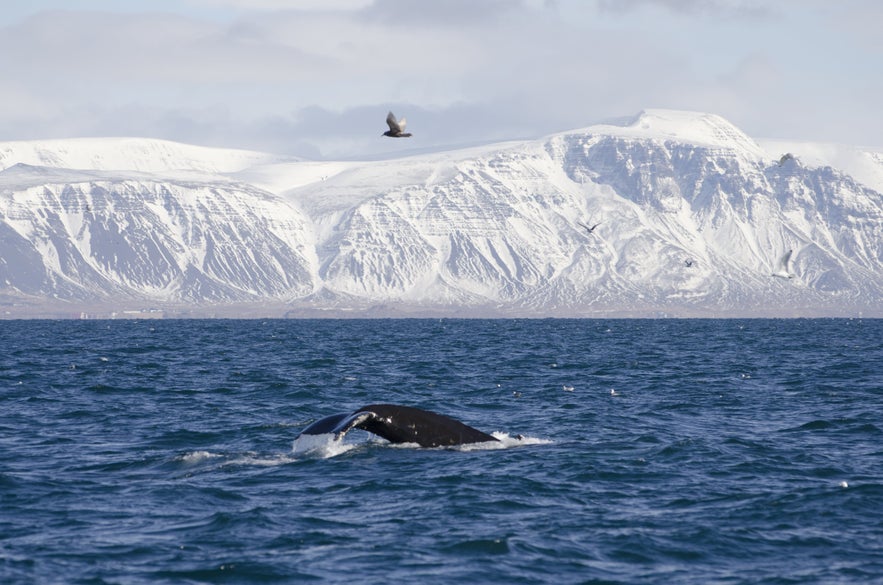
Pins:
x: 400, y: 424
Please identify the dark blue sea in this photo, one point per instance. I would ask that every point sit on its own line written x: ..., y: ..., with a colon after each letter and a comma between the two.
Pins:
x: 631, y: 451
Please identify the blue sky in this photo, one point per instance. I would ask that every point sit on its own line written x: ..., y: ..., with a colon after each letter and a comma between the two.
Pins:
x: 316, y: 77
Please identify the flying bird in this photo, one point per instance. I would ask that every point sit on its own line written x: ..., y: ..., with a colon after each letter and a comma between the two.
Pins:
x: 784, y: 267
x: 785, y: 158
x: 588, y: 229
x: 396, y: 127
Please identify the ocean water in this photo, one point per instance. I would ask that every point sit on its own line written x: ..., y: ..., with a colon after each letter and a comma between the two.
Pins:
x: 632, y: 451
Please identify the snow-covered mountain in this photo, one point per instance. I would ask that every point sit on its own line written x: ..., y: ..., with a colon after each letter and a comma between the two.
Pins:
x: 692, y: 216
x: 129, y: 154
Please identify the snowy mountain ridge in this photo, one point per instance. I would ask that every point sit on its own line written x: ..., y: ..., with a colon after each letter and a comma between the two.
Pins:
x: 129, y: 154
x: 692, y: 216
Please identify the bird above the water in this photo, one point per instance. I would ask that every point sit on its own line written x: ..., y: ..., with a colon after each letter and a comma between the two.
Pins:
x: 784, y: 267
x: 588, y: 229
x: 396, y: 127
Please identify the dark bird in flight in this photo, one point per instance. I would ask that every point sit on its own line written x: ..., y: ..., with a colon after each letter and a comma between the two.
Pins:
x: 785, y: 158
x: 590, y: 230
x: 396, y: 127
x: 688, y: 262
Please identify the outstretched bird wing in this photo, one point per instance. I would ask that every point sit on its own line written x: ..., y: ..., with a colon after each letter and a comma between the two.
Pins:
x: 394, y: 125
x: 785, y: 261
x: 783, y: 270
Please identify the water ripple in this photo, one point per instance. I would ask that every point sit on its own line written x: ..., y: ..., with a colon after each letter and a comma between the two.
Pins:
x: 732, y: 451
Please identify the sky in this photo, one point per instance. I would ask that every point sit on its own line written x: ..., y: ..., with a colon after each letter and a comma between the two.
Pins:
x: 315, y: 78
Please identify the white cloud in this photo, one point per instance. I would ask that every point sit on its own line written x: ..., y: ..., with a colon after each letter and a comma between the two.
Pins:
x: 293, y: 77
x: 720, y: 8
x: 282, y: 5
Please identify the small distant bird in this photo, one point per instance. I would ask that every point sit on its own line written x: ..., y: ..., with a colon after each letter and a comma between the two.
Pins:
x: 396, y: 127
x: 785, y: 158
x: 588, y: 229
x: 784, y: 267
x: 688, y: 262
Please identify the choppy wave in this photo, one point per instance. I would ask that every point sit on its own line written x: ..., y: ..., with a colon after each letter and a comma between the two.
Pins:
x: 730, y: 452
x: 325, y: 446
x: 321, y: 446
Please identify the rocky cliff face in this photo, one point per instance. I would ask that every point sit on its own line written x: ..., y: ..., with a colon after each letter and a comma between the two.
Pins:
x: 692, y: 219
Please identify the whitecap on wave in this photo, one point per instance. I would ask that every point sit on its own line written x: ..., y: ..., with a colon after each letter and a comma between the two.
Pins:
x: 195, y: 457
x: 504, y: 441
x: 321, y: 446
x: 218, y: 460
x: 325, y: 446
x: 261, y: 460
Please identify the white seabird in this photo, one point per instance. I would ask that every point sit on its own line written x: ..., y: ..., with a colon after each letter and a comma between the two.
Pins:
x: 783, y: 270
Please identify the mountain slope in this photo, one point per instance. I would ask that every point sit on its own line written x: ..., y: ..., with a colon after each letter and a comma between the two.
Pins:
x: 693, y: 217
x: 131, y: 154
x: 114, y: 238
